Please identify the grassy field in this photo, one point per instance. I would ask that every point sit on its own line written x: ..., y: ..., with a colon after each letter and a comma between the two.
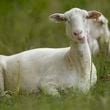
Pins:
x: 24, y: 25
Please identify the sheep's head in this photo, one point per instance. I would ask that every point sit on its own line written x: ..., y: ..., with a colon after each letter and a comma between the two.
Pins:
x: 76, y: 22
x: 100, y: 29
x: 105, y: 32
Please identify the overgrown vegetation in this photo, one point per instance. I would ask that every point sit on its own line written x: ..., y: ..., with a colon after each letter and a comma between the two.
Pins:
x: 24, y: 25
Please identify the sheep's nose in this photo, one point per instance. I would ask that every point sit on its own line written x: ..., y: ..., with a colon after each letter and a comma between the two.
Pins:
x: 77, y: 33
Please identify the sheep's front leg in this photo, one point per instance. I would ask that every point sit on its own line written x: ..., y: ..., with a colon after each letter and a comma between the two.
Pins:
x: 2, y: 92
x: 1, y: 83
x: 50, y: 89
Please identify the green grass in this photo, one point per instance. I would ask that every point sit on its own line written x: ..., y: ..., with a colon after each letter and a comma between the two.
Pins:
x: 24, y: 25
x: 98, y: 98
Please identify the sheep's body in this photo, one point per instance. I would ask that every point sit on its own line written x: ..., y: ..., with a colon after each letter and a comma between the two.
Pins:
x: 56, y: 72
x: 43, y: 65
x: 53, y: 69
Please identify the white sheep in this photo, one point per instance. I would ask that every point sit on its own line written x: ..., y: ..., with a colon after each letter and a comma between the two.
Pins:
x: 98, y: 30
x: 54, y: 69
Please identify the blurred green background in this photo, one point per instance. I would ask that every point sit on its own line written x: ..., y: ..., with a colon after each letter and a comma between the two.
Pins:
x: 24, y: 24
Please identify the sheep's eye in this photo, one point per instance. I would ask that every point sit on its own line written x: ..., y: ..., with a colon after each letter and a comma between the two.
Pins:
x: 101, y: 23
x: 68, y: 20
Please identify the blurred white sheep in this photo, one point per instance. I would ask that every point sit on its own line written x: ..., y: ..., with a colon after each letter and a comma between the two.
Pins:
x: 98, y: 30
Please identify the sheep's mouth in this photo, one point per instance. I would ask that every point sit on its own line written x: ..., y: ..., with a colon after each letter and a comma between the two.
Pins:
x: 81, y: 39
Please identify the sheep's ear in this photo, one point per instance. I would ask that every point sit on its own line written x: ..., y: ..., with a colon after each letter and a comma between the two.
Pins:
x: 57, y: 17
x: 93, y: 15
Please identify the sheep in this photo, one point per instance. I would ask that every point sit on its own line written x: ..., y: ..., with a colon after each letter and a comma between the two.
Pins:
x: 98, y: 30
x: 54, y: 69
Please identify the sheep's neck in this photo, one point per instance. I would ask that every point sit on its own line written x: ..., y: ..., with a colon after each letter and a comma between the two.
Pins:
x: 79, y: 56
